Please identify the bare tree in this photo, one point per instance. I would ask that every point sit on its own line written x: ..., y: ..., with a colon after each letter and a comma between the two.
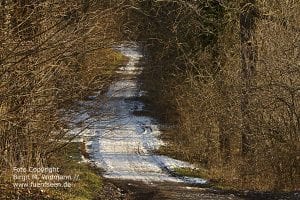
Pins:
x: 44, y: 51
x: 229, y: 83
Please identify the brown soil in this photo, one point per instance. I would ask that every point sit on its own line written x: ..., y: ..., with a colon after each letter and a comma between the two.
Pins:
x: 134, y: 190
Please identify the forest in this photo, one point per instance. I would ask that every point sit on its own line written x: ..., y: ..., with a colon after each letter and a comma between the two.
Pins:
x: 222, y: 78
x: 227, y: 73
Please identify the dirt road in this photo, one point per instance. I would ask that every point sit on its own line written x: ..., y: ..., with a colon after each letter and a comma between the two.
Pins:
x: 123, y: 143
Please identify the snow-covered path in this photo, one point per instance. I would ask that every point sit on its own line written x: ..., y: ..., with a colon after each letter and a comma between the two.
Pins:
x: 122, y: 143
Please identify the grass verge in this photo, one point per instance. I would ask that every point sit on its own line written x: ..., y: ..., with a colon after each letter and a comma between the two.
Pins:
x: 191, y: 172
x: 88, y: 185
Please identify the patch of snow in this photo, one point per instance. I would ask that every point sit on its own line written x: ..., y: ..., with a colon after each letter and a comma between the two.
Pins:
x: 123, y: 143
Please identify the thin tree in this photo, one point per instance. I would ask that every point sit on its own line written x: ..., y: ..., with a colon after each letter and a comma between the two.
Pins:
x: 248, y: 67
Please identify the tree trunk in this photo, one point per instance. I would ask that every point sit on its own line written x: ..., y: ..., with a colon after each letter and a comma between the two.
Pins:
x: 224, y: 136
x: 248, y: 67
